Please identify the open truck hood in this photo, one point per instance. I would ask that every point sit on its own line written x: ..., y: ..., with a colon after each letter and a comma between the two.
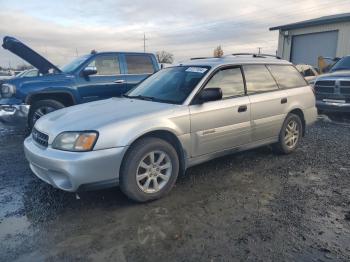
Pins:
x: 18, y: 48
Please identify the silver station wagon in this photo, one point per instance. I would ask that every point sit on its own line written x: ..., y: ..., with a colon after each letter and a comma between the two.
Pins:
x: 177, y: 118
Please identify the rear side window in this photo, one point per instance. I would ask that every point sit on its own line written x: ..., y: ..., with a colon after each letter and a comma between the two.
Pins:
x: 139, y: 64
x: 258, y: 79
x: 287, y: 76
x: 229, y: 80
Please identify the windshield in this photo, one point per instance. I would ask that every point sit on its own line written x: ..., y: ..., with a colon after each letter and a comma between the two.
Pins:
x: 170, y: 85
x: 74, y: 64
x: 342, y: 64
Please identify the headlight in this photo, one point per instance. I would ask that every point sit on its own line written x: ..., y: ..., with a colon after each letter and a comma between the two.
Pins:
x: 7, y: 90
x: 75, y: 141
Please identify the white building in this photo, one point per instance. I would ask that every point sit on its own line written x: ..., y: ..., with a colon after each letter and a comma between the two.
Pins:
x: 304, y: 42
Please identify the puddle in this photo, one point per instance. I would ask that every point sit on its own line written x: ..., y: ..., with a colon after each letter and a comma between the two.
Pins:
x: 13, y: 226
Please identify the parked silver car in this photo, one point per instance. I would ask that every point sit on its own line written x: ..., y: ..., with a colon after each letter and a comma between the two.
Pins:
x: 179, y: 117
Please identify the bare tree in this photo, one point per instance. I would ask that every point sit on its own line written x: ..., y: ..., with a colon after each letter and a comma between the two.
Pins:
x: 218, y: 52
x: 165, y: 57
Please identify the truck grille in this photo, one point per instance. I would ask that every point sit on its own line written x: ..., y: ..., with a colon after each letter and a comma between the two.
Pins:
x: 40, y: 138
x: 330, y: 89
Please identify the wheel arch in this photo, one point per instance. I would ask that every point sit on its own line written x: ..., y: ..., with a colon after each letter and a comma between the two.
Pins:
x: 167, y: 136
x: 300, y: 113
x: 64, y: 97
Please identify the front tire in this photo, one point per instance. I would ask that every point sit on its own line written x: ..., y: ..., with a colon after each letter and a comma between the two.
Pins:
x: 41, y: 108
x: 149, y: 170
x: 290, y: 135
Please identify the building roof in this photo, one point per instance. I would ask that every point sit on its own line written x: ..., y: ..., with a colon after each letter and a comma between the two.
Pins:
x: 313, y: 22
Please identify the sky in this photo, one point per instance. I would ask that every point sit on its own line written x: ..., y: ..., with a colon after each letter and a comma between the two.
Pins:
x: 62, y: 30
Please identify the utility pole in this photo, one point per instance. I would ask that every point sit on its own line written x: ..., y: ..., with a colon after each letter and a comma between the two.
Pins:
x: 144, y: 42
x: 259, y: 50
x: 76, y: 52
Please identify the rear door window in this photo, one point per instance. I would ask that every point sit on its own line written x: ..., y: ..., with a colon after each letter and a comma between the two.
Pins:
x: 287, y: 76
x: 139, y: 64
x: 258, y: 79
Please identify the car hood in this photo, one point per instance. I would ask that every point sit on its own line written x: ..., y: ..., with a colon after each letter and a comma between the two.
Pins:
x: 97, y: 115
x: 18, y: 48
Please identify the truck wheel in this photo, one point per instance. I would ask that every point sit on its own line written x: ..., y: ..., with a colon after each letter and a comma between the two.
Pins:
x: 149, y: 170
x: 40, y: 108
x: 290, y: 135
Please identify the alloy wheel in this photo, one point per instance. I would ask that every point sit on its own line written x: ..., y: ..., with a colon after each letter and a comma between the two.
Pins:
x: 292, y: 134
x: 154, y: 171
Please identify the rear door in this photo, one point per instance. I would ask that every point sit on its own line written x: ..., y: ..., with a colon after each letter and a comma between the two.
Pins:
x: 108, y: 82
x: 223, y: 124
x: 268, y: 102
x: 137, y: 67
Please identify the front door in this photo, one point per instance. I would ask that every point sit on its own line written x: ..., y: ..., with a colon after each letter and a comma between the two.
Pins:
x: 107, y: 82
x: 223, y: 124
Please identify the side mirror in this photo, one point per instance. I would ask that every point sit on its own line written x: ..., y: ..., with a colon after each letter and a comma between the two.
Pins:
x: 90, y: 70
x: 210, y: 94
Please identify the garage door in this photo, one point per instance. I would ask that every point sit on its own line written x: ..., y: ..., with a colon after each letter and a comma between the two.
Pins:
x: 307, y: 48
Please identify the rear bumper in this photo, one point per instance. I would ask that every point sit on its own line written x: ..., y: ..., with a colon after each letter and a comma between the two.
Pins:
x: 73, y: 171
x: 334, y: 107
x: 14, y: 115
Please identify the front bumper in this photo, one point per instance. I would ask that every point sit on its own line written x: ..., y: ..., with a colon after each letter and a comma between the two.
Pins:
x: 333, y: 106
x: 14, y: 115
x: 72, y: 171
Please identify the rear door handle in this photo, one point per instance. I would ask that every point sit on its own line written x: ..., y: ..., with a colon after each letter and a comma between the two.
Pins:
x: 242, y: 109
x: 284, y: 100
x: 120, y: 81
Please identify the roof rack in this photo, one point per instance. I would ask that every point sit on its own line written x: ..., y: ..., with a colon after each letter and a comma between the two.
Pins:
x: 258, y: 55
x: 197, y: 58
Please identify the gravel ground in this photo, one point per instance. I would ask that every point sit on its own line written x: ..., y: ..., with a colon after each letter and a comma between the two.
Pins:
x: 251, y: 206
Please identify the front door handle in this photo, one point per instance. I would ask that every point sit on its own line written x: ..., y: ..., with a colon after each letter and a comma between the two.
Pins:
x: 242, y: 109
x: 284, y: 100
x: 120, y: 81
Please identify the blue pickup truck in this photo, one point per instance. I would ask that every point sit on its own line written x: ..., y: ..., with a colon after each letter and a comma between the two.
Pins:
x: 95, y: 76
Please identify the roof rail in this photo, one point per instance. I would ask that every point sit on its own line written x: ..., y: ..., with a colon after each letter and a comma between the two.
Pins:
x: 258, y: 55
x: 197, y: 58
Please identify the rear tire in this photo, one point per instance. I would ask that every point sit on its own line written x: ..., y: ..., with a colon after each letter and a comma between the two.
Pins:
x: 149, y: 170
x: 290, y: 135
x: 41, y: 108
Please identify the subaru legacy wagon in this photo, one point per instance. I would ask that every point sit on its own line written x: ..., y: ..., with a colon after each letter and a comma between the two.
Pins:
x: 177, y: 118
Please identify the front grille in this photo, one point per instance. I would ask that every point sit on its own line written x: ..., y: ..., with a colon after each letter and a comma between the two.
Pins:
x: 324, y: 89
x: 325, y: 86
x: 345, y: 83
x: 40, y: 138
x: 325, y: 83
x: 345, y: 91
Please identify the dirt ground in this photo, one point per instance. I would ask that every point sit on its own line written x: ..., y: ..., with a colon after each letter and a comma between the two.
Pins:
x: 251, y: 206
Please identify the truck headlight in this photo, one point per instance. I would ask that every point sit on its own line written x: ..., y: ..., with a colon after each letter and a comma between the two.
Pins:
x: 75, y: 141
x: 7, y: 90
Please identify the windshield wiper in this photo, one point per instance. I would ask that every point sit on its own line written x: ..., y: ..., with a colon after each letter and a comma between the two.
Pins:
x: 151, y: 98
x: 148, y: 98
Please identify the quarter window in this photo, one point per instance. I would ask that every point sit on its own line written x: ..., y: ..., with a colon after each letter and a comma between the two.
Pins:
x: 139, y: 64
x: 229, y: 80
x: 287, y: 76
x: 258, y: 79
x: 106, y: 65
